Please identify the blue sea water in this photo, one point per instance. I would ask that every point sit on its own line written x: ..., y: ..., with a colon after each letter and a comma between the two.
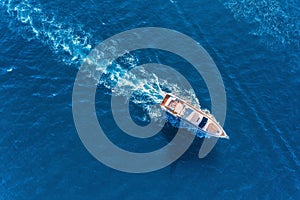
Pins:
x: 254, y: 43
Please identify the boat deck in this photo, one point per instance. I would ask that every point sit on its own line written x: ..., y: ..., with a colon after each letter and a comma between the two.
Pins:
x: 194, y: 116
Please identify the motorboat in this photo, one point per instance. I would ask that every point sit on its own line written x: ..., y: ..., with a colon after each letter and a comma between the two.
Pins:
x: 198, y: 118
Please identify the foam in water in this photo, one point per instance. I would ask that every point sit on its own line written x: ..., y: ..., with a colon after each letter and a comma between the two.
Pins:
x: 136, y: 83
x: 144, y: 84
x: 70, y: 42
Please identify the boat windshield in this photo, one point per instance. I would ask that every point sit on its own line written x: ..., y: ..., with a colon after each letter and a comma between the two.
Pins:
x: 203, y: 122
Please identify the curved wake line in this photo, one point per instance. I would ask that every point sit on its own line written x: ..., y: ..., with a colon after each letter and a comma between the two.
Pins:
x: 272, y: 20
x: 70, y: 44
x: 142, y: 86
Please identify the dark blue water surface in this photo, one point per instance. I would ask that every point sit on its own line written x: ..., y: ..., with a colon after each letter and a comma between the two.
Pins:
x: 256, y: 46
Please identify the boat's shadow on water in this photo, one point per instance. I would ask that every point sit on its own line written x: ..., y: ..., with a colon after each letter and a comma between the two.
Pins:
x: 191, y: 154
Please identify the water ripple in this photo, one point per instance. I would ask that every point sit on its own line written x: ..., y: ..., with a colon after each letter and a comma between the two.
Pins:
x: 272, y: 22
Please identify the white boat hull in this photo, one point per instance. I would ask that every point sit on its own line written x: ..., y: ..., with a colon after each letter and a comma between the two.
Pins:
x: 198, y: 118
